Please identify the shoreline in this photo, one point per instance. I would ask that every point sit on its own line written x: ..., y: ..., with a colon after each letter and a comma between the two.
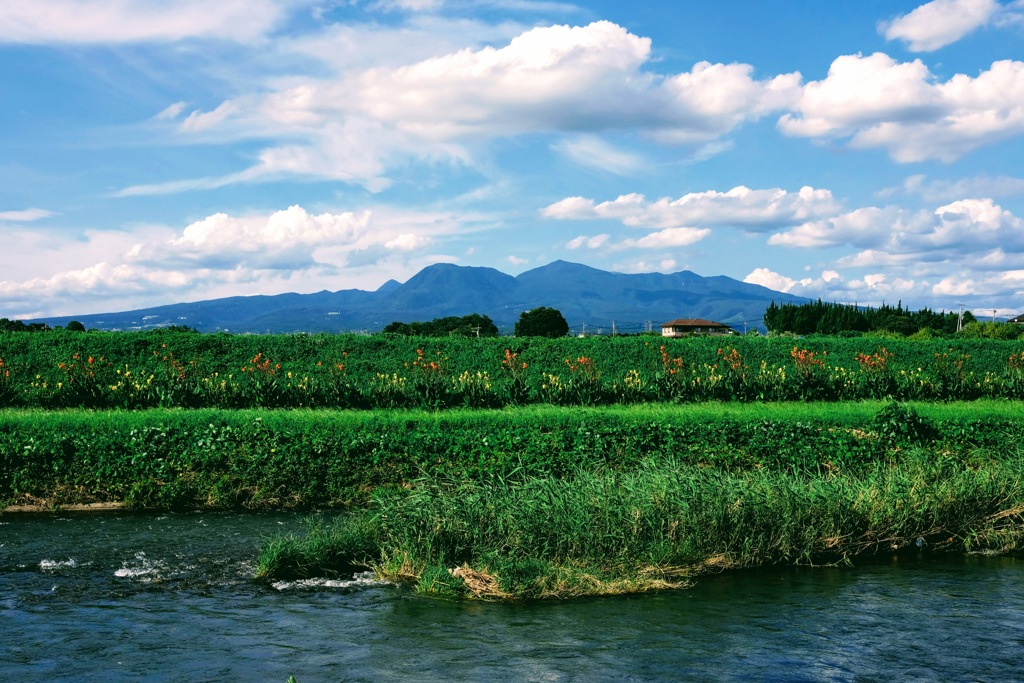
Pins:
x: 42, y: 508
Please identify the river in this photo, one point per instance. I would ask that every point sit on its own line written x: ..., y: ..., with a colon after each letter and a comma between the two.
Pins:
x: 169, y: 597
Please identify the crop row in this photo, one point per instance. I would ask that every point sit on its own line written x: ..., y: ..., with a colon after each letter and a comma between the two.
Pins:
x: 144, y: 370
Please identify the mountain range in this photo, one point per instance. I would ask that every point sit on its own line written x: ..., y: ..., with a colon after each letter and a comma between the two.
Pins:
x: 592, y: 301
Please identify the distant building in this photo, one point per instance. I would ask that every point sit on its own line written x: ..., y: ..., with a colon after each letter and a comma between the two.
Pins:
x: 684, y: 326
x: 1019, y: 320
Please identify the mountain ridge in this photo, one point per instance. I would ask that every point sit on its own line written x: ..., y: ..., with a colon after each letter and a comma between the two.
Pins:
x: 586, y: 296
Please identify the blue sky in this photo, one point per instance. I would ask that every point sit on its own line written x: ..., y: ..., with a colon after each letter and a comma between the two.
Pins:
x: 158, y: 152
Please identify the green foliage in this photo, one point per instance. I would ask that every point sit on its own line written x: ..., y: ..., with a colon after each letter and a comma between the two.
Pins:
x: 663, y: 521
x: 178, y: 368
x: 542, y: 322
x: 834, y: 318
x: 473, y: 325
x: 7, y: 325
x: 183, y: 459
x: 902, y: 424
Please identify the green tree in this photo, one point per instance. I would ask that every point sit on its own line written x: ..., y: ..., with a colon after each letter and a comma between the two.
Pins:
x: 75, y: 326
x: 541, y: 322
x: 472, y: 325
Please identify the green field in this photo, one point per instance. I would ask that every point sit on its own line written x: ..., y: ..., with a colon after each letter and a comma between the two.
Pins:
x: 322, y: 458
x: 62, y: 369
x: 519, y: 468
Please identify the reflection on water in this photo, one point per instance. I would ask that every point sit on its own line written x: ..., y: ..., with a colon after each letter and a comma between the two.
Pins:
x: 119, y: 597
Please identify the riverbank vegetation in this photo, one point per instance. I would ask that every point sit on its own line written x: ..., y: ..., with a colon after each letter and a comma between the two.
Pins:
x: 658, y: 525
x: 531, y: 467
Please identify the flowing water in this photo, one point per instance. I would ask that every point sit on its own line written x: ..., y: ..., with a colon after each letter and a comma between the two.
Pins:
x: 120, y: 597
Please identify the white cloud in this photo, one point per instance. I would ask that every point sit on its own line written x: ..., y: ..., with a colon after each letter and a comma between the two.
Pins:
x: 121, y: 21
x: 284, y: 240
x: 742, y: 207
x: 939, y: 23
x: 563, y: 78
x: 954, y: 286
x: 667, y: 265
x: 220, y: 255
x: 592, y: 151
x: 878, y: 102
x: 408, y: 241
x: 171, y: 111
x: 770, y: 279
x: 516, y: 261
x: 966, y: 227
x: 407, y: 5
x: 868, y: 226
x: 871, y: 289
x: 861, y: 91
x: 595, y: 242
x: 582, y: 80
x: 668, y: 238
x: 25, y: 215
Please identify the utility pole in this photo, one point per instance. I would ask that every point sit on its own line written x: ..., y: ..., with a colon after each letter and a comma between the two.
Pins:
x: 613, y: 328
x: 960, y: 318
x: 993, y: 315
x: 584, y: 329
x: 477, y: 330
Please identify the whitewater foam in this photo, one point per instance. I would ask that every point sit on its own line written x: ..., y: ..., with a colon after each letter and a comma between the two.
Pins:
x: 361, y: 580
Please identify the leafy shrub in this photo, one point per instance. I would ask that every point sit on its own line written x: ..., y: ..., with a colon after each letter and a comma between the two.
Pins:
x: 901, y: 424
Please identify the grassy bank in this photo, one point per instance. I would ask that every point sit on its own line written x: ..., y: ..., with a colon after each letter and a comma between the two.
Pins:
x: 657, y: 525
x: 187, y: 459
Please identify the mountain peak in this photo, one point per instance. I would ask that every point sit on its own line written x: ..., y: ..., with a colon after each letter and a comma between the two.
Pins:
x: 586, y: 296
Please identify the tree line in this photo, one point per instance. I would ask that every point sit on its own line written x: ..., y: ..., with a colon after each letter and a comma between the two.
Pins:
x: 537, y: 322
x: 818, y: 317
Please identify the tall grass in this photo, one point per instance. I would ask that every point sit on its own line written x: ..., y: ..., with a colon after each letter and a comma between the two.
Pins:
x: 658, y: 525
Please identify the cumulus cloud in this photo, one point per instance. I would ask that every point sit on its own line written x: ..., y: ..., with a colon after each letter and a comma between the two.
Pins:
x: 864, y: 227
x: 567, y: 78
x: 870, y: 289
x: 964, y: 227
x: 770, y: 279
x: 220, y: 255
x: 878, y: 102
x: 577, y: 80
x: 969, y: 248
x: 939, y: 23
x: 124, y: 21
x: 742, y: 207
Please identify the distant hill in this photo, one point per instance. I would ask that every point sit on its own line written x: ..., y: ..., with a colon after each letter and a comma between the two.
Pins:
x: 586, y: 297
